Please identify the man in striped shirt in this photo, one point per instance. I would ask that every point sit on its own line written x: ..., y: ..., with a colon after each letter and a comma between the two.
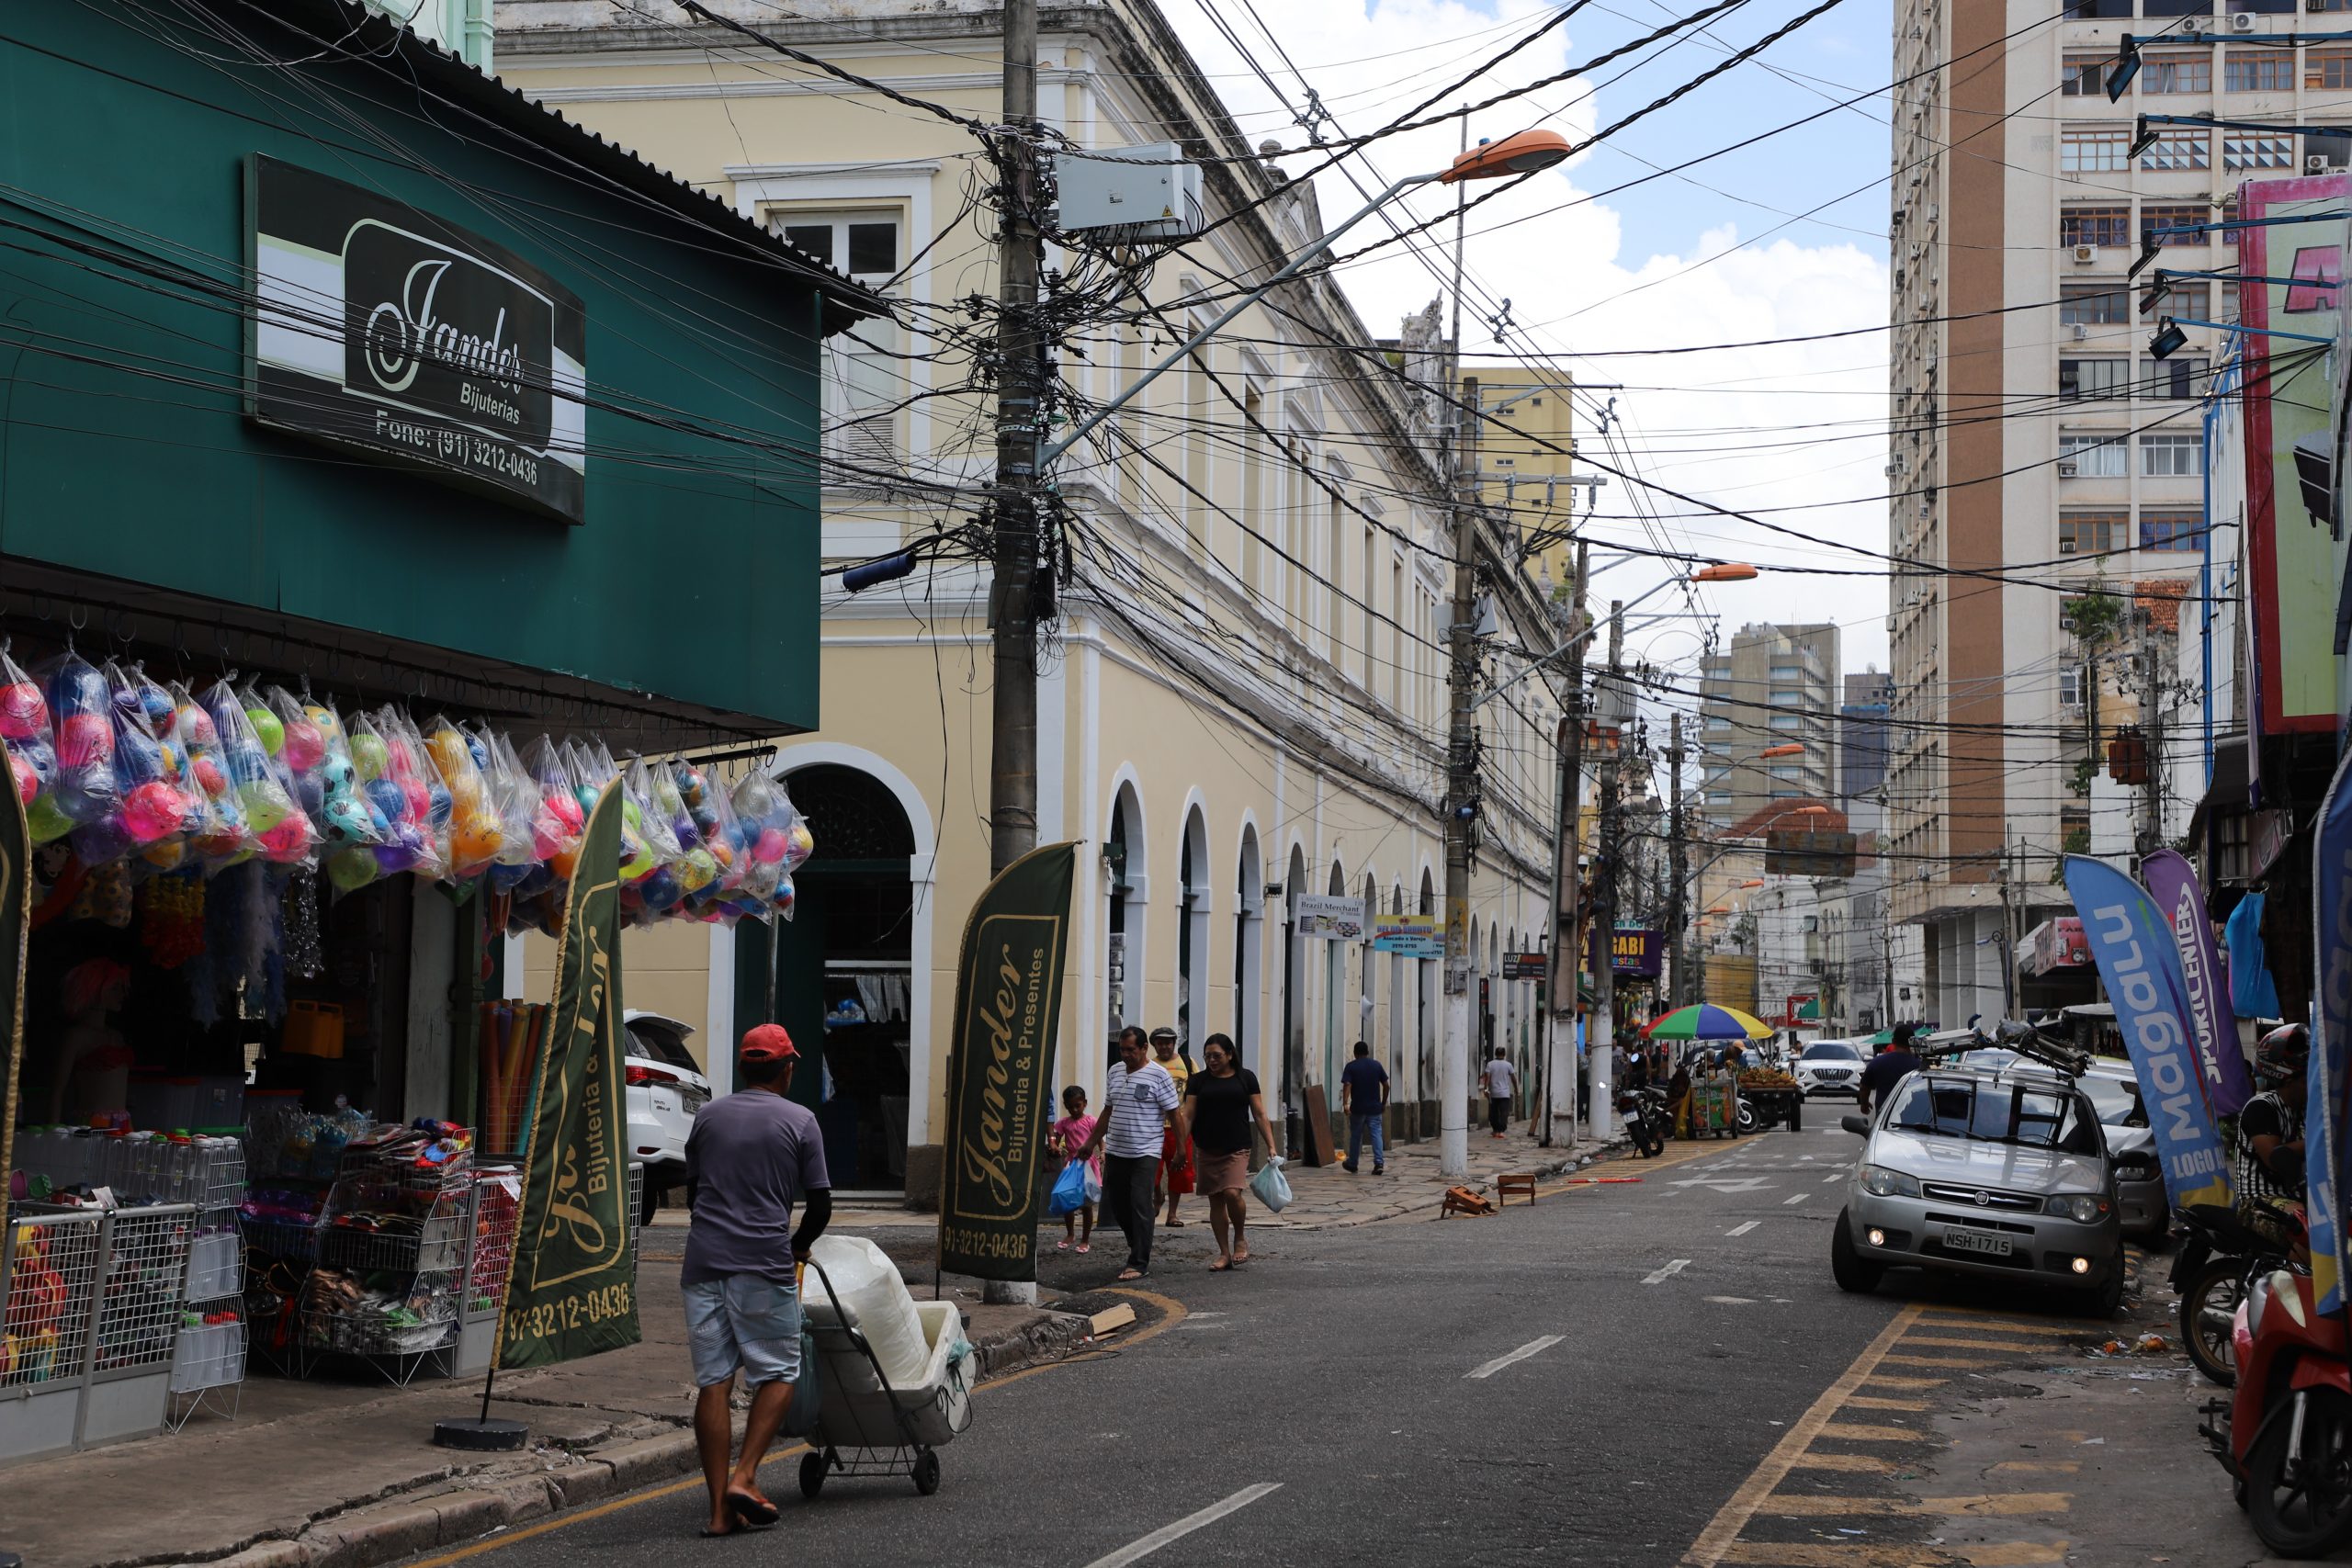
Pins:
x: 1137, y: 1100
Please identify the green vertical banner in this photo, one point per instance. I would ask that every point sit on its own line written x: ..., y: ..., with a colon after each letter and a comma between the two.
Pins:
x: 571, y: 1288
x: 1000, y: 1083
x: 15, y: 928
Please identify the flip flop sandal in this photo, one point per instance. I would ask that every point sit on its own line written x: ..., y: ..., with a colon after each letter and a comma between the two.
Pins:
x: 1220, y: 1265
x: 710, y: 1534
x: 750, y: 1510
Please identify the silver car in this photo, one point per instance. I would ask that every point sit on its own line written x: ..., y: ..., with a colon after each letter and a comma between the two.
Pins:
x: 1830, y: 1066
x: 2131, y: 1149
x: 2001, y: 1174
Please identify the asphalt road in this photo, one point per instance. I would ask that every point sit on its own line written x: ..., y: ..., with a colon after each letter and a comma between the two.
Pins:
x: 1587, y: 1381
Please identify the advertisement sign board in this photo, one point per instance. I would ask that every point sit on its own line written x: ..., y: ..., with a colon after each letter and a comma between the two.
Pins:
x: 1335, y: 916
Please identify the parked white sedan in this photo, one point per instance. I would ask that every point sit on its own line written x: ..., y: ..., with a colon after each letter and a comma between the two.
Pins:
x: 1830, y: 1066
x: 665, y: 1089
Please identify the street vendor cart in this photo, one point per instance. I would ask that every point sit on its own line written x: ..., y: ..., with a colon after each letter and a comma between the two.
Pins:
x: 1774, y: 1097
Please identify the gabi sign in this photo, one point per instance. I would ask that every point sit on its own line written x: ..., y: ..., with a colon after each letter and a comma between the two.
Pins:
x: 379, y: 326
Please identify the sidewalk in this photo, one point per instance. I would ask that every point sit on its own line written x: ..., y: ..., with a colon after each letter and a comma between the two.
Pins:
x: 1328, y: 1198
x: 344, y: 1476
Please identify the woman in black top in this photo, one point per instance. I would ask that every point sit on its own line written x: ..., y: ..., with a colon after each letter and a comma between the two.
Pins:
x: 1219, y: 1100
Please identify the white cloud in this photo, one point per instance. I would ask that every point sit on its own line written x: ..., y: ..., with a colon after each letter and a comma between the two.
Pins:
x: 1754, y: 428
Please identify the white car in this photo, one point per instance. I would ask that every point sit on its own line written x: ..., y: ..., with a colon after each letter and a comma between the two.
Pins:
x: 665, y: 1089
x: 1829, y: 1066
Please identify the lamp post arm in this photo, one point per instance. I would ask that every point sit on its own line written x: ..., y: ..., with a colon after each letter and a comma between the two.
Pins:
x: 1298, y: 264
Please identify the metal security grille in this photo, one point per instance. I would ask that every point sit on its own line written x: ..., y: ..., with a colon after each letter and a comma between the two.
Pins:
x: 52, y: 1270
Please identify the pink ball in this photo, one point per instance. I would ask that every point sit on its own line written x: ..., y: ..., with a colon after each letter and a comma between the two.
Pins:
x: 290, y: 841
x: 305, y: 748
x: 27, y: 781
x: 152, y: 811
x: 769, y: 849
x: 23, y: 713
x: 566, y: 808
x: 209, y: 777
x: 419, y: 800
x: 84, y: 739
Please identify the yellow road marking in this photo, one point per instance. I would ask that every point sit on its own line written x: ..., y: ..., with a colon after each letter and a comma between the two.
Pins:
x: 1173, y: 1308
x: 1873, y: 1402
x: 1889, y: 1379
x: 1938, y: 1361
x: 1841, y: 1554
x: 1853, y: 1464
x: 2014, y: 1553
x: 1858, y: 1432
x: 1983, y: 1504
x: 2053, y: 1466
x: 2026, y: 1345
x: 1722, y: 1533
x: 1988, y: 1325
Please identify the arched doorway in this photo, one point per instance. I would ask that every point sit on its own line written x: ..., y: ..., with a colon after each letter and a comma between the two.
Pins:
x: 1429, y: 989
x: 1123, y: 847
x: 844, y: 973
x: 1336, y: 1011
x: 1192, y: 935
x: 1293, y: 1000
x: 1249, y: 960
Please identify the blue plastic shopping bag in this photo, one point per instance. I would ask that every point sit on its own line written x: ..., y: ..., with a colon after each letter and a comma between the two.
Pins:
x: 1069, y: 1191
x: 1270, y: 1186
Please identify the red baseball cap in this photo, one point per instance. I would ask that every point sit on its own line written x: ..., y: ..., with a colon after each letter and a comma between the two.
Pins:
x: 766, y: 1042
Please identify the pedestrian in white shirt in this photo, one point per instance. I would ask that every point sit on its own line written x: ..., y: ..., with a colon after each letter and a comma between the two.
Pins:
x: 1131, y: 1131
x: 1501, y: 1080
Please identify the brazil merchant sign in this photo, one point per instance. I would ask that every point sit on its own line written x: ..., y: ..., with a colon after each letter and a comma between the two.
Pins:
x: 377, y: 325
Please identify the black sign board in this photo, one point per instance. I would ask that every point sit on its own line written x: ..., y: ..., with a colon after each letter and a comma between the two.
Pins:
x: 380, y: 326
x: 1809, y: 855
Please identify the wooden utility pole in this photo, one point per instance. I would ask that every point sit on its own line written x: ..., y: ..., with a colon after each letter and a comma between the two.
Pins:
x: 1013, y: 760
x: 1567, y: 928
x: 1462, y: 743
x: 1602, y: 1042
x: 1676, y: 906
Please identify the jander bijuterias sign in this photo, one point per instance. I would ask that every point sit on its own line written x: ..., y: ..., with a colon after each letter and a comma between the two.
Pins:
x: 377, y: 325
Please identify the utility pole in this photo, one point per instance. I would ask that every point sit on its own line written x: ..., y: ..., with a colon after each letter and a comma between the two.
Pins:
x: 1461, y: 748
x: 1599, y: 1067
x: 1567, y: 931
x: 1013, y: 760
x: 2152, y: 727
x: 1675, y: 906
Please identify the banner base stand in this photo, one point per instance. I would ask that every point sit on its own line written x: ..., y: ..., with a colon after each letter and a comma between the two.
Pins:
x: 476, y: 1434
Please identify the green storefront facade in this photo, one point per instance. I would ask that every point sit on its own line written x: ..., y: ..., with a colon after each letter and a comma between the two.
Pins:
x: 328, y: 360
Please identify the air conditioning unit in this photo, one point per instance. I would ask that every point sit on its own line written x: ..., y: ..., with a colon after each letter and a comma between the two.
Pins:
x: 2315, y: 162
x: 2241, y: 22
x: 2085, y: 255
x: 2082, y: 333
x: 2067, y: 467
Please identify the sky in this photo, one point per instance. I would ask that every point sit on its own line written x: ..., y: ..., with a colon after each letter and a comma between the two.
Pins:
x: 1717, y: 254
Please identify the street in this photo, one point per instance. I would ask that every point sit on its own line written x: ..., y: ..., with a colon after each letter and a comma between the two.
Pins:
x: 1626, y: 1373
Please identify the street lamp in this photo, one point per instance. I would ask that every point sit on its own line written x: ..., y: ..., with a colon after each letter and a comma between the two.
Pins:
x: 1523, y: 153
x: 1792, y: 749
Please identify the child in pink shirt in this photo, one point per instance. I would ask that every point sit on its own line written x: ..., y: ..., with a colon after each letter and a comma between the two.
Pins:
x: 1069, y: 1135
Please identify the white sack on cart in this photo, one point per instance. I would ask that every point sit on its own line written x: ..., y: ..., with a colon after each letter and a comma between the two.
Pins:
x: 877, y: 1302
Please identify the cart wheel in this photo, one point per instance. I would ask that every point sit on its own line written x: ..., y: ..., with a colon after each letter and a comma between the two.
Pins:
x: 926, y: 1473
x: 812, y: 1474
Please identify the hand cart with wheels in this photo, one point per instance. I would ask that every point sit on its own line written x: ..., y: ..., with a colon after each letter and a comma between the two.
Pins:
x: 867, y: 1427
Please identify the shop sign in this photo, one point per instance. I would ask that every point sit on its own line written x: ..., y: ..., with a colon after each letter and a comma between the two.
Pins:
x: 2056, y: 945
x: 377, y: 325
x: 1635, y: 953
x: 1001, y: 1079
x: 1335, y: 916
x: 572, y: 1284
x: 1524, y: 967
x: 1409, y: 936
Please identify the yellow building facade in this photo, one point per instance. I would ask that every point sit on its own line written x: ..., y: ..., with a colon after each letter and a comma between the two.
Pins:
x: 1242, y: 700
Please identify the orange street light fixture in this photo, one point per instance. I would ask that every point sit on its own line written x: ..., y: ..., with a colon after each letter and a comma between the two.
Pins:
x: 1521, y: 154
x: 1753, y: 882
x: 1725, y: 572
x: 1794, y: 748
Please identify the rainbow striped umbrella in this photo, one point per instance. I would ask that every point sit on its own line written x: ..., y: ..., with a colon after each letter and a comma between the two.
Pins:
x: 1707, y: 1022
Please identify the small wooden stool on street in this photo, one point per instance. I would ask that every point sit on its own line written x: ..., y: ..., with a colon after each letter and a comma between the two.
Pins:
x: 1521, y: 1181
x: 1462, y: 1201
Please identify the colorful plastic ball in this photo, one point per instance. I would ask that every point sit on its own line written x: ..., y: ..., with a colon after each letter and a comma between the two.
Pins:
x: 346, y: 819
x: 209, y: 778
x: 103, y: 842
x: 370, y: 756
x: 150, y: 811
x: 84, y: 739
x: 155, y: 705
x: 386, y: 797
x: 400, y: 851
x: 337, y: 773
x: 305, y: 746
x: 37, y: 756
x: 311, y: 794
x: 439, y: 804
x: 696, y: 870
x: 475, y: 840
x: 168, y: 856
x: 660, y: 889
x: 195, y: 725
x: 785, y: 897
x: 24, y: 712
x: 351, y: 869
x: 266, y: 729
x: 288, y: 842
x: 27, y: 781
x: 770, y: 847
x: 567, y: 810
x: 48, y: 819
x: 800, y: 843
x: 265, y: 806
x: 636, y: 863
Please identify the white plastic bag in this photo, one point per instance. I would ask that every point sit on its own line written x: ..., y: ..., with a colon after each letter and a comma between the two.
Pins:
x: 1270, y: 1186
x: 873, y: 1299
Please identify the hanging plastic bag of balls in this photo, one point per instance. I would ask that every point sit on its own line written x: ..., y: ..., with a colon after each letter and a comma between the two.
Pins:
x: 557, y: 818
x: 296, y: 840
x: 598, y: 773
x: 270, y: 813
x: 477, y: 830
x: 515, y: 800
x: 430, y: 806
x: 720, y: 838
x: 402, y: 843
x: 221, y: 836
x: 158, y: 813
x: 31, y: 746
x: 650, y: 801
x: 301, y: 756
x: 81, y: 716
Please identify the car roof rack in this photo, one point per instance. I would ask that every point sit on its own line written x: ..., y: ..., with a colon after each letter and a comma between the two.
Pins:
x: 2033, y: 1041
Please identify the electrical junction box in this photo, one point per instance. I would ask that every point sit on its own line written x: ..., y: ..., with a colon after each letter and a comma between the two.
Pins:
x: 1133, y: 193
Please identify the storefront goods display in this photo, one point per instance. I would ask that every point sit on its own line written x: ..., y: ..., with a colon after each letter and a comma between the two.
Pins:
x: 88, y: 1330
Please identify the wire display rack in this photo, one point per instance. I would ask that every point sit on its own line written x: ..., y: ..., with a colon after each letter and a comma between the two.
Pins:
x: 93, y: 1314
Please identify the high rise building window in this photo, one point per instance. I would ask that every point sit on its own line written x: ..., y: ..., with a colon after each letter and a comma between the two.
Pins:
x: 2179, y: 148
x: 2104, y: 150
x: 2184, y: 299
x: 2328, y: 68
x: 2093, y: 457
x: 2178, y: 379
x: 2094, y: 305
x: 2173, y: 215
x: 2089, y: 533
x: 2259, y: 71
x: 2257, y: 152
x: 2173, y: 531
x: 2089, y: 379
x: 2084, y: 76
x: 2183, y: 73
x: 2171, y: 457
x: 1787, y: 721
x: 2094, y: 226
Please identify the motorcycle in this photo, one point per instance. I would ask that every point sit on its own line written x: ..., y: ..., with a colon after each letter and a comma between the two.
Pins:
x: 1646, y: 1121
x: 2217, y: 1262
x: 2285, y: 1436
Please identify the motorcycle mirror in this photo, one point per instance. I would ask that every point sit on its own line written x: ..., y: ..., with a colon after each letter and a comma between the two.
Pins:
x: 1858, y: 1125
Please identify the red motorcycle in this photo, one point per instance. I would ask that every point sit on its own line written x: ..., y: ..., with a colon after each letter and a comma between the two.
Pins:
x: 2286, y: 1435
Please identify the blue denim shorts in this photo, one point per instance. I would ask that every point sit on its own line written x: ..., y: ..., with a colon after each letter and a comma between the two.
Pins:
x: 743, y: 1322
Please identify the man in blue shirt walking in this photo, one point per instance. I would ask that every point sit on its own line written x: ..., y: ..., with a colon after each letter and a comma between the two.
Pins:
x: 1363, y: 1095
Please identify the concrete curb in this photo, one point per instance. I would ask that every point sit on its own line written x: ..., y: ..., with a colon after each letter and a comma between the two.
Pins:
x: 404, y: 1525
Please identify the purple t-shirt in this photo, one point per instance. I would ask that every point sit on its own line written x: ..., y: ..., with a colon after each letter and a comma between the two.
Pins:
x: 751, y: 1156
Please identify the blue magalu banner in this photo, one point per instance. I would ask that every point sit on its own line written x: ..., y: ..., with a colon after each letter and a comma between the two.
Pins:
x: 2325, y: 1109
x: 2132, y: 944
x: 2172, y: 882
